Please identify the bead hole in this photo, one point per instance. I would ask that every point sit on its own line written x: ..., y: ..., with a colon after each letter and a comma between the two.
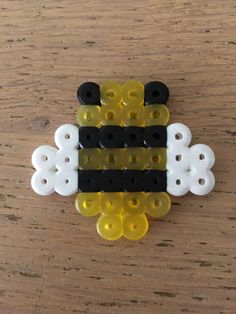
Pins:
x: 155, y: 93
x: 44, y: 181
x: 156, y: 159
x: 178, y: 157
x: 44, y: 158
x: 201, y: 181
x: 67, y: 181
x: 133, y: 115
x: 109, y: 115
x: 178, y: 182
x: 110, y: 136
x: 67, y: 136
x: 67, y: 159
x: 133, y: 137
x: 156, y: 136
x: 201, y: 156
x: 178, y: 136
x: 89, y: 94
x: 155, y: 114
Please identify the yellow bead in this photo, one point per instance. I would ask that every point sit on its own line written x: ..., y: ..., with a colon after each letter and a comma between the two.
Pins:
x: 111, y: 203
x: 110, y: 93
x: 156, y: 158
x: 158, y: 204
x: 88, y: 115
x: 90, y: 158
x: 133, y: 115
x: 135, y: 226
x: 133, y: 93
x: 111, y: 115
x: 134, y: 202
x: 156, y: 114
x: 112, y: 158
x: 88, y: 204
x: 110, y: 227
x: 134, y: 158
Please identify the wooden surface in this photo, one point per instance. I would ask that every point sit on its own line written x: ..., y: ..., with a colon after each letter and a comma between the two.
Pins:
x: 51, y: 258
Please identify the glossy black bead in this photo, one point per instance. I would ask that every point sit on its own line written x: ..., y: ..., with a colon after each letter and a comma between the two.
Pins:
x: 112, y: 136
x: 155, y: 136
x: 156, y: 93
x: 155, y: 181
x: 89, y: 137
x: 88, y: 93
x: 89, y: 180
x: 111, y: 181
x: 133, y: 136
x: 133, y: 180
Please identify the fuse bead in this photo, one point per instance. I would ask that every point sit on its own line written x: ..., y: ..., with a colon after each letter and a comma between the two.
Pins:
x: 111, y: 203
x: 88, y: 204
x: 133, y: 93
x: 110, y: 93
x: 156, y: 158
x: 156, y: 115
x: 134, y: 203
x: 135, y: 226
x: 88, y: 115
x: 133, y: 115
x: 90, y: 159
x: 157, y: 204
x: 110, y: 227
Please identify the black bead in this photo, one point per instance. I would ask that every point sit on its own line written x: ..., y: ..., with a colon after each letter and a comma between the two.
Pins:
x: 89, y: 180
x: 133, y: 180
x: 89, y: 94
x: 133, y: 136
x: 156, y: 93
x: 111, y: 137
x: 155, y: 181
x: 155, y: 136
x: 89, y: 137
x: 111, y: 181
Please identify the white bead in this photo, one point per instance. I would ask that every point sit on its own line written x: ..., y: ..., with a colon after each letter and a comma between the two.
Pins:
x: 202, y: 157
x: 178, y: 134
x: 67, y: 136
x: 201, y: 182
x: 44, y: 157
x: 178, y: 158
x: 177, y: 183
x: 43, y: 182
x: 66, y: 182
x: 67, y: 159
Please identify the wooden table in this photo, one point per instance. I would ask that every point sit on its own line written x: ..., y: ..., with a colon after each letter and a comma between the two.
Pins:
x: 51, y: 258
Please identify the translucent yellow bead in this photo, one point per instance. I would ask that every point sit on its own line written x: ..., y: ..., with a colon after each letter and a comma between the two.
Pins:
x: 88, y: 204
x: 111, y: 115
x: 112, y: 158
x: 134, y: 202
x: 133, y: 115
x: 156, y: 158
x: 110, y: 93
x: 110, y: 227
x: 133, y: 93
x: 156, y: 114
x: 158, y: 204
x: 134, y: 158
x: 135, y: 226
x: 90, y: 158
x: 88, y: 115
x: 111, y: 203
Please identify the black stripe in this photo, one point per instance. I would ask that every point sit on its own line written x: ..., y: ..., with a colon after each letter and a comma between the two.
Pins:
x: 119, y: 137
x: 119, y: 181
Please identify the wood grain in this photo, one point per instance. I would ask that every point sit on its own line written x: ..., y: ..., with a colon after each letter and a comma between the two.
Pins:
x: 51, y: 259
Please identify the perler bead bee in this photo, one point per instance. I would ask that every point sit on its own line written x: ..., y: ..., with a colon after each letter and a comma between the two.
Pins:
x: 122, y: 160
